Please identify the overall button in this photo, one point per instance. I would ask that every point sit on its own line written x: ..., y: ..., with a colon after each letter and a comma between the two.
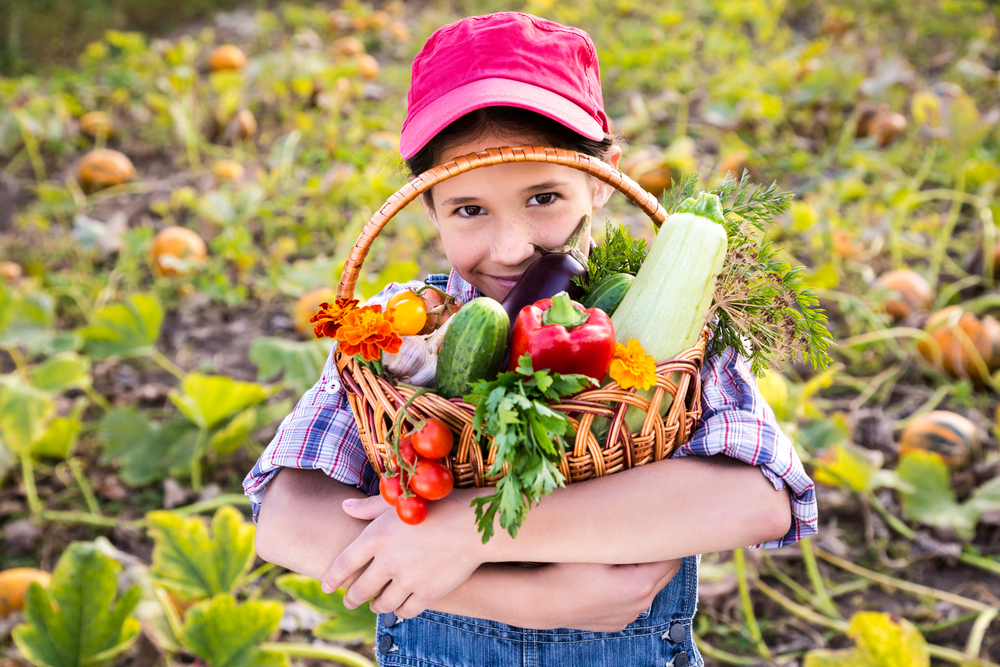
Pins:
x: 681, y: 659
x: 677, y: 633
x: 389, y: 619
x: 385, y: 645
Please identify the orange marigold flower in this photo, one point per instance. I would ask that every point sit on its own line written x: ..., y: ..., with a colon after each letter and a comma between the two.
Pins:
x: 632, y: 367
x: 329, y: 318
x: 366, y: 331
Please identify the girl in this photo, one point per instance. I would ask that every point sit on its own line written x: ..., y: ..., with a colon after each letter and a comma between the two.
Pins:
x: 621, y: 584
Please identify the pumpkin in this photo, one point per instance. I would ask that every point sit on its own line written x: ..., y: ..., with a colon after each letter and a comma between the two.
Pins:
x: 367, y: 66
x: 243, y: 126
x: 103, y: 168
x: 174, y: 251
x: 943, y: 432
x: 912, y: 293
x: 94, y: 123
x: 14, y: 585
x: 733, y: 164
x: 845, y: 246
x: 349, y: 46
x: 399, y: 32
x: 10, y: 272
x: 953, y: 330
x: 228, y: 170
x: 308, y: 305
x: 227, y: 57
x: 883, y: 125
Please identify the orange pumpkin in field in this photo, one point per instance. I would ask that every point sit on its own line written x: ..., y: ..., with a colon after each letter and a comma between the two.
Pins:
x: 14, y: 585
x: 308, y: 305
x: 95, y: 123
x: 909, y: 292
x: 958, y: 334
x: 945, y: 433
x: 175, y: 250
x: 228, y: 170
x: 103, y: 168
x: 227, y: 57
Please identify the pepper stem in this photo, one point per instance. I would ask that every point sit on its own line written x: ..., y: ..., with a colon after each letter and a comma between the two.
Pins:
x: 564, y: 312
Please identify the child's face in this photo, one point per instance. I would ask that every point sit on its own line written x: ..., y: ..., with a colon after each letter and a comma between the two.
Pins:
x: 489, y: 218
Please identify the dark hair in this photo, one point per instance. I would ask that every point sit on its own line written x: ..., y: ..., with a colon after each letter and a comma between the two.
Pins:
x: 504, y: 121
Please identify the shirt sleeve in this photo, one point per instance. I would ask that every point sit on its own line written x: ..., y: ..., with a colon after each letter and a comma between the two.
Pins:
x: 320, y: 433
x: 738, y: 422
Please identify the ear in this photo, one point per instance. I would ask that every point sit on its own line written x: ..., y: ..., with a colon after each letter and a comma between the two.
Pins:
x: 603, y: 191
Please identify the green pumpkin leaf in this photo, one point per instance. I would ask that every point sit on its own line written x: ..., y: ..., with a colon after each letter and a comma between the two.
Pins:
x: 300, y: 361
x: 58, y: 373
x: 143, y: 451
x: 208, y: 399
x: 194, y: 564
x: 59, y: 439
x: 225, y: 635
x: 932, y: 500
x: 849, y: 467
x: 345, y: 625
x: 229, y: 438
x: 24, y: 415
x: 73, y: 623
x: 24, y: 317
x: 123, y: 329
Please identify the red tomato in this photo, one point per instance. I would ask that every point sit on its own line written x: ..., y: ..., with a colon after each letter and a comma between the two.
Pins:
x: 406, y: 449
x: 391, y: 489
x: 434, y: 440
x: 431, y: 480
x: 412, y: 510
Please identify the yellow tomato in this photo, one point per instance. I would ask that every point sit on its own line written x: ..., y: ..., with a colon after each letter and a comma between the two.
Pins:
x: 409, y: 313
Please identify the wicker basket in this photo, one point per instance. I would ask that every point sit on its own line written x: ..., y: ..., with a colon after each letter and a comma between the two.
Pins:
x: 376, y: 402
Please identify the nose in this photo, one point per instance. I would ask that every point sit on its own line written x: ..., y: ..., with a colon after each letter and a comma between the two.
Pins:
x: 512, y: 243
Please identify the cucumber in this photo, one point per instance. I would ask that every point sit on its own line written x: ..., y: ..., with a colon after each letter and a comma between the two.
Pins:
x: 474, y: 347
x: 609, y: 292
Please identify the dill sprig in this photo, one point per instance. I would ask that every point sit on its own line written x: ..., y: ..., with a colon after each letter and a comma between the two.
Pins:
x: 761, y: 308
x: 620, y: 252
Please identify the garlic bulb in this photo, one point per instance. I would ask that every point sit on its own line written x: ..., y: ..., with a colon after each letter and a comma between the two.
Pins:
x: 416, y: 361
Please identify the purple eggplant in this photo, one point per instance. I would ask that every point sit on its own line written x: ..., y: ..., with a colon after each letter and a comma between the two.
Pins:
x: 551, y: 273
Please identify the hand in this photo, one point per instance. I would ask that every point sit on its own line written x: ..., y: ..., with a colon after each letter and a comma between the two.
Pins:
x: 602, y: 598
x: 398, y: 567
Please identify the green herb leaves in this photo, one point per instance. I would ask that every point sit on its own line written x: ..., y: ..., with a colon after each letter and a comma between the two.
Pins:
x: 619, y: 253
x: 528, y: 435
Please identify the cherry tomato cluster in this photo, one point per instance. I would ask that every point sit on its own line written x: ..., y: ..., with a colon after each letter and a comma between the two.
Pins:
x: 423, y: 472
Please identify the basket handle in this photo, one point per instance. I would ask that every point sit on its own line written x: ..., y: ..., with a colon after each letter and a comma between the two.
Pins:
x: 425, y: 181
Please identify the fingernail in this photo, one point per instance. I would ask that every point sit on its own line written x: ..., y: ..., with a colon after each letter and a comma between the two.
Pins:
x: 326, y: 588
x: 350, y: 502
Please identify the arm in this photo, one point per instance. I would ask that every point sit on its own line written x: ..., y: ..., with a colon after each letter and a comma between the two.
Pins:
x: 653, y: 513
x: 301, y: 526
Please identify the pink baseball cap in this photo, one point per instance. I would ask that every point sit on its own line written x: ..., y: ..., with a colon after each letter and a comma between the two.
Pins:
x: 504, y: 59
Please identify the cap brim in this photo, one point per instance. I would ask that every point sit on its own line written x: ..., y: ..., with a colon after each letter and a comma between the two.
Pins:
x: 422, y: 126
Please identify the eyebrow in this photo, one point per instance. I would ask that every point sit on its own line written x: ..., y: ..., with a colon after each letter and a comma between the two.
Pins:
x: 533, y: 189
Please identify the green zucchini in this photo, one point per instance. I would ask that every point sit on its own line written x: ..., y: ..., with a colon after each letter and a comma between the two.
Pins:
x: 609, y: 292
x: 666, y: 308
x: 474, y: 347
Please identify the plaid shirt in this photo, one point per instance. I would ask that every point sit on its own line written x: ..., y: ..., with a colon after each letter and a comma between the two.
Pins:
x: 736, y: 421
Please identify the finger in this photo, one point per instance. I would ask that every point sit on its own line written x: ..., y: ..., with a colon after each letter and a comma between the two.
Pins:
x: 366, y: 509
x: 369, y: 584
x: 411, y: 608
x: 391, y: 599
x: 350, y: 560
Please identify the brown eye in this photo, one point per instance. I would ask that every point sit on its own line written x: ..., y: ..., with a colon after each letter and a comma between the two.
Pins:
x: 470, y: 211
x: 545, y: 199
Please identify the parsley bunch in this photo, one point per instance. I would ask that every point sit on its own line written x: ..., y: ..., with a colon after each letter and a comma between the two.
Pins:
x: 528, y: 435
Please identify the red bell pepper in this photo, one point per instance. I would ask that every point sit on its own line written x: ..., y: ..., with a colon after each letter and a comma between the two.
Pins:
x: 561, y: 335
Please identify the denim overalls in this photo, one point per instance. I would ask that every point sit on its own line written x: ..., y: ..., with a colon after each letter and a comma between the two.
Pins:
x: 660, y: 637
